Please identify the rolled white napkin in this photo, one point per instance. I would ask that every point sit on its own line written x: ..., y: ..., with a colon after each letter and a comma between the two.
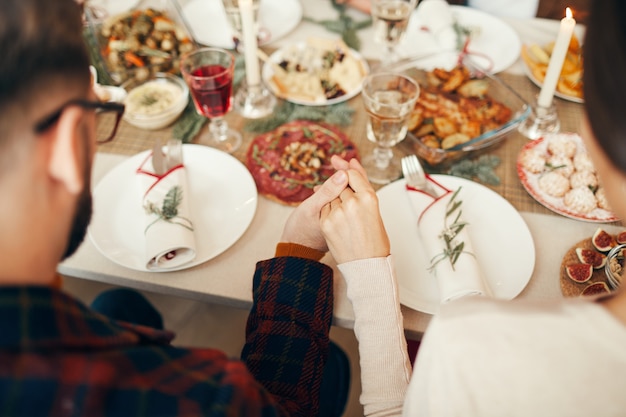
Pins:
x: 170, y: 241
x: 436, y: 16
x: 433, y: 220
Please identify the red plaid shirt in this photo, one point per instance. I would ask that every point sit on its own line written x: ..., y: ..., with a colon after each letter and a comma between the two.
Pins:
x: 59, y: 358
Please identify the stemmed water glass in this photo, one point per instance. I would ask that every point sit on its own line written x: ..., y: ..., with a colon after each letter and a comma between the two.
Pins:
x: 209, y: 74
x: 233, y: 14
x: 389, y: 100
x: 391, y: 18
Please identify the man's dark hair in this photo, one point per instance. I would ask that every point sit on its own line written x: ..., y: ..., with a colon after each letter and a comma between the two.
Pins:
x: 605, y: 77
x: 40, y: 40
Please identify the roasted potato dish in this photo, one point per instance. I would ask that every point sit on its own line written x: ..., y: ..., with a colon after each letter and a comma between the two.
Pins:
x: 453, y: 108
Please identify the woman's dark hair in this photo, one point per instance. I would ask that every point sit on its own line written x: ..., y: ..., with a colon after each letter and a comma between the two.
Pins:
x: 39, y: 39
x: 604, y: 77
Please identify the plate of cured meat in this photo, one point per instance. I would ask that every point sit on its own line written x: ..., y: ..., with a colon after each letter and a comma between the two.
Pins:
x: 289, y: 161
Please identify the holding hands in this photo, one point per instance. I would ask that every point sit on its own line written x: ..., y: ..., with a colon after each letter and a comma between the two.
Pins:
x: 342, y: 215
x: 351, y: 223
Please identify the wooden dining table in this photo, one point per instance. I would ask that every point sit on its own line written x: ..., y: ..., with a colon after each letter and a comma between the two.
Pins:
x: 227, y: 278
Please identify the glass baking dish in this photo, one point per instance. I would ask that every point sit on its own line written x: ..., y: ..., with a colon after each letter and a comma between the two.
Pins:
x: 496, y: 89
x: 147, y: 39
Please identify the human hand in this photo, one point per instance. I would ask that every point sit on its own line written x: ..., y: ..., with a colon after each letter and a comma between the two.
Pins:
x: 351, y: 223
x: 362, y: 5
x: 302, y: 226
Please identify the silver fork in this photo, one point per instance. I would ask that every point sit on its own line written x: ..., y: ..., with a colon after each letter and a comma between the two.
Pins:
x: 414, y: 175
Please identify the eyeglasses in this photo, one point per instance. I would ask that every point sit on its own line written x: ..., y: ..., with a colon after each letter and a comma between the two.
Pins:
x: 108, y: 116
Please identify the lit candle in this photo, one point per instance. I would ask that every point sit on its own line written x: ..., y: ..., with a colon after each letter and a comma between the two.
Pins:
x: 248, y: 28
x: 556, y: 60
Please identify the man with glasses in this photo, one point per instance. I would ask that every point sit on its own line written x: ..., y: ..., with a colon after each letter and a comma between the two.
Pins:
x: 59, y: 357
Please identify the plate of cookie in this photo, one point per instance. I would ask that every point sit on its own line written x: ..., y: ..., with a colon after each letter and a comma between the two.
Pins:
x: 557, y: 172
x: 317, y: 72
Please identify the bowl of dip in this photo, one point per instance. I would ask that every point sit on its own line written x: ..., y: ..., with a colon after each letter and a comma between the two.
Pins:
x: 156, y: 102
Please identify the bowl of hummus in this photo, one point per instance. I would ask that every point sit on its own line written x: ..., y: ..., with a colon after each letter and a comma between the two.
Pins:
x: 156, y: 102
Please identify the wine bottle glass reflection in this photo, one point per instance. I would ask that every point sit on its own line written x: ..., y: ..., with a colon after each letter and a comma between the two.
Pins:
x: 391, y: 18
x: 389, y: 100
x: 209, y: 74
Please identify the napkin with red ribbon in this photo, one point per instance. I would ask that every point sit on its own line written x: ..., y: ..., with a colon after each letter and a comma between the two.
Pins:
x: 447, y: 244
x: 437, y: 18
x: 169, y: 232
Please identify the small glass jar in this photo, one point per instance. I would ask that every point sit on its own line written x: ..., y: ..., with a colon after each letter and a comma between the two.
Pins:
x: 614, y: 267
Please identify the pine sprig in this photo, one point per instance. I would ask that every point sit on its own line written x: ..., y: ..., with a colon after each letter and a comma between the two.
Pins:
x: 168, y: 211
x: 481, y: 169
x: 344, y: 25
x: 189, y: 123
x: 337, y: 114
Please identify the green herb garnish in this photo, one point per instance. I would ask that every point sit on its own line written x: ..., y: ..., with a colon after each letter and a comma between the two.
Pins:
x: 168, y: 212
x: 453, y: 249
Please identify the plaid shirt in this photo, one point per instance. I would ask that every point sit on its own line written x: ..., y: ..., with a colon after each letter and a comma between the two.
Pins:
x: 59, y: 358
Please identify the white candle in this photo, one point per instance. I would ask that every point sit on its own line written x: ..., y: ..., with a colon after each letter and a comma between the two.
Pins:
x: 556, y: 60
x: 248, y: 28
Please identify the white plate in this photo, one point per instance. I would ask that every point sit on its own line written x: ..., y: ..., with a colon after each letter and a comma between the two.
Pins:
x: 207, y: 20
x: 223, y: 203
x: 277, y: 57
x: 501, y: 240
x: 496, y: 39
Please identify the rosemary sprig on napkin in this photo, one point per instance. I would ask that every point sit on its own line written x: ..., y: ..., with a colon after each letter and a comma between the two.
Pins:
x: 453, y: 249
x: 344, y: 25
x: 337, y: 114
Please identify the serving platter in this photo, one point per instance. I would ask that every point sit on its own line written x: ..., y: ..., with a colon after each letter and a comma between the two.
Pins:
x: 288, y: 52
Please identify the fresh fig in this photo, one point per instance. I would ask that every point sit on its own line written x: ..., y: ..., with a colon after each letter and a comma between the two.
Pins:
x: 595, y: 288
x: 591, y: 257
x: 602, y: 241
x: 579, y: 272
x: 621, y: 237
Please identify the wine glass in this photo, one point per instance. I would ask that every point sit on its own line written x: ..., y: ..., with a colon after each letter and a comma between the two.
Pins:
x: 209, y: 74
x: 389, y: 99
x: 391, y: 18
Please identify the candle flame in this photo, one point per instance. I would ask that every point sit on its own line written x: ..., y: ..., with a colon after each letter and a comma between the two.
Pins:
x: 568, y: 13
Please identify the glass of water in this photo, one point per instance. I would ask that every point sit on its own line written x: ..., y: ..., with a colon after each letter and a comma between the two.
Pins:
x: 391, y: 18
x: 231, y: 7
x: 389, y: 99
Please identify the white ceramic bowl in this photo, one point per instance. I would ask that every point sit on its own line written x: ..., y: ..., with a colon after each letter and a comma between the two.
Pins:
x: 156, y: 102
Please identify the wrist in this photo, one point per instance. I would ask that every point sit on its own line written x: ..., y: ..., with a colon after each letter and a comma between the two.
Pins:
x: 298, y: 251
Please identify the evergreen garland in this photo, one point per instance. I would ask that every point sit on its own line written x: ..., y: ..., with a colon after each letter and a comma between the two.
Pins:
x: 344, y: 25
x: 337, y: 114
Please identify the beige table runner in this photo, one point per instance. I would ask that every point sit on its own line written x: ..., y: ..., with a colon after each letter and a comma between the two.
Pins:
x: 131, y: 140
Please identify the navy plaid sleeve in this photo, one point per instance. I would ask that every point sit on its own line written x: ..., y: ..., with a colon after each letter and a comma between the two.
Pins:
x: 287, y: 331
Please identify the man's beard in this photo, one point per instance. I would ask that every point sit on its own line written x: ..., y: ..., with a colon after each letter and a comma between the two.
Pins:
x: 80, y: 223
x: 82, y: 216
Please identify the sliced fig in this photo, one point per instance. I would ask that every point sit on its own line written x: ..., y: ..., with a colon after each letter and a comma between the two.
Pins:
x: 595, y: 288
x: 621, y: 237
x: 591, y: 257
x: 579, y: 272
x: 602, y: 241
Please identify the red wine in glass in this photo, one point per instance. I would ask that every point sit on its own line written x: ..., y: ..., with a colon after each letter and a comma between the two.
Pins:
x: 212, y: 91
